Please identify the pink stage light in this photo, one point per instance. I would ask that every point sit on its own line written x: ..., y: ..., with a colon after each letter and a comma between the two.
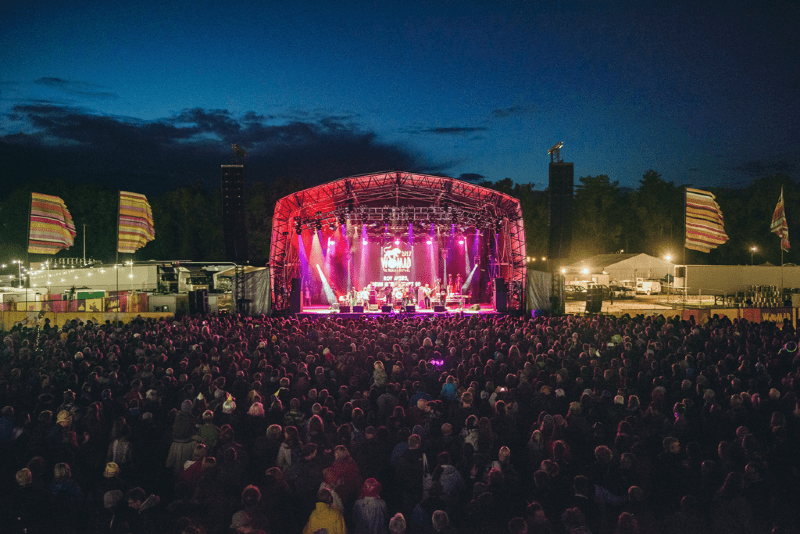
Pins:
x: 365, y: 242
x: 461, y: 242
x: 396, y: 241
x: 430, y: 242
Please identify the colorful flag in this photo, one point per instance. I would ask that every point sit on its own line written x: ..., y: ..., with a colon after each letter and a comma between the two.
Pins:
x: 779, y: 224
x: 51, y: 227
x: 704, y: 225
x: 135, y: 222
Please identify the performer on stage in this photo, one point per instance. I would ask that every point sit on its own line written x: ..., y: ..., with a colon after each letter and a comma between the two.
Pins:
x: 427, y: 296
x: 458, y: 285
x: 450, y: 290
x: 420, y: 297
x: 388, y: 294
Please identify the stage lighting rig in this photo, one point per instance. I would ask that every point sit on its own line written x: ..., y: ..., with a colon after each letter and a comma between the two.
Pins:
x: 238, y: 151
x: 555, y: 152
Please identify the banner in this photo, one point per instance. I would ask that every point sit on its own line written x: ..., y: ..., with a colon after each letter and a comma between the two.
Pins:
x: 135, y: 222
x: 779, y: 225
x: 51, y: 227
x: 704, y: 225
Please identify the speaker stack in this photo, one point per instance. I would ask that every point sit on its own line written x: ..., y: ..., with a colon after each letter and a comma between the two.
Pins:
x: 294, y: 296
x: 561, y: 193
x: 594, y: 300
x: 198, y: 301
x: 500, y: 295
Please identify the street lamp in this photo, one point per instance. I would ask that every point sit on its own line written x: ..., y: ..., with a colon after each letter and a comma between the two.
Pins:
x: 752, y: 252
x: 19, y: 271
x: 668, y: 257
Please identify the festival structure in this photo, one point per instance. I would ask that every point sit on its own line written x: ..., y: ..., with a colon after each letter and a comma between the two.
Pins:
x: 397, y: 241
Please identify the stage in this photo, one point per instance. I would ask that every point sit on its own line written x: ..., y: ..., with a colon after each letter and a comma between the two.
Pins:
x: 397, y: 237
x: 314, y: 312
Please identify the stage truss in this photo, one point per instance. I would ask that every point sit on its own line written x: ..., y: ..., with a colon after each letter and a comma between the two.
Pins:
x: 397, y: 199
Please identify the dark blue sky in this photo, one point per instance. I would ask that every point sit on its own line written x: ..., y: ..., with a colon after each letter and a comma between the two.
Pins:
x: 148, y: 95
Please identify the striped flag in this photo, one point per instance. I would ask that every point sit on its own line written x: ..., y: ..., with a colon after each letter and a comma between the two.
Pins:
x: 135, y: 222
x: 704, y: 225
x: 51, y: 226
x: 779, y: 224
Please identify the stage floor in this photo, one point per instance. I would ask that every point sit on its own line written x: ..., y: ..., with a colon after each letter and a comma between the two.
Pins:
x: 318, y: 311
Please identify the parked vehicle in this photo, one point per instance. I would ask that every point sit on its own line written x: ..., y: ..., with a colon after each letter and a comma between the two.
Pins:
x: 604, y: 289
x: 573, y: 292
x: 647, y: 287
x: 622, y: 292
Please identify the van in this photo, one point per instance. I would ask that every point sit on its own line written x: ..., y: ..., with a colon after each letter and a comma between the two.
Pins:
x: 647, y: 287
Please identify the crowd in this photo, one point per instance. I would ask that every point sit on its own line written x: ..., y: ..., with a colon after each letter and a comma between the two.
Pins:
x: 473, y: 424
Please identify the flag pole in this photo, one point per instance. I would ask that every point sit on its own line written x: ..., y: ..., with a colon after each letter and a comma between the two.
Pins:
x: 116, y: 262
x: 685, y: 268
x: 27, y: 249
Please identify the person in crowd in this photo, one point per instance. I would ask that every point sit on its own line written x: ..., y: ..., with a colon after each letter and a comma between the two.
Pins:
x: 726, y: 388
x: 370, y: 513
x: 325, y: 516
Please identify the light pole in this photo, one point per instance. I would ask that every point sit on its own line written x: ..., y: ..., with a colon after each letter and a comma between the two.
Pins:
x: 752, y: 252
x: 668, y: 257
x: 19, y: 271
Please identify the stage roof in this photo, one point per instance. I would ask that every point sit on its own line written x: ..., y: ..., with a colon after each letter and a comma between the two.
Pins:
x: 398, y: 198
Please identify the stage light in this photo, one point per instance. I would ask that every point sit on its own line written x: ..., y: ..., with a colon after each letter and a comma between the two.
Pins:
x: 365, y: 242
x: 460, y: 241
x: 430, y: 242
x: 396, y: 241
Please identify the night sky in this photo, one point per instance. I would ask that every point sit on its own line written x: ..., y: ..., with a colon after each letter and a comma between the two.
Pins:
x: 148, y: 96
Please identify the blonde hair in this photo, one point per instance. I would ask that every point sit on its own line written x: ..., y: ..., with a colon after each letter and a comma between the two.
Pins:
x: 24, y: 477
x: 62, y: 472
x: 397, y: 525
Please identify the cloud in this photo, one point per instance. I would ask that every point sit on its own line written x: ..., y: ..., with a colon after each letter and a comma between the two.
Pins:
x: 75, y: 88
x: 74, y: 144
x: 471, y: 177
x: 512, y: 111
x: 448, y: 130
x: 760, y: 168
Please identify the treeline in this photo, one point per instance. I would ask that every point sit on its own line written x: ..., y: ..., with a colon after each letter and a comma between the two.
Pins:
x: 607, y: 218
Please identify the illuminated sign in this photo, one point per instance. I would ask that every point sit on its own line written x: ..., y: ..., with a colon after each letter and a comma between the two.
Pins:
x: 394, y: 260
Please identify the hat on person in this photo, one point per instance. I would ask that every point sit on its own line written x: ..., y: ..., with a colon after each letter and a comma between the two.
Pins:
x: 62, y: 416
x: 112, y: 470
x: 240, y: 519
x: 371, y: 488
x: 111, y: 498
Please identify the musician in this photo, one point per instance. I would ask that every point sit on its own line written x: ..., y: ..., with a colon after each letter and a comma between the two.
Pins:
x: 457, y: 287
x: 426, y: 296
x: 450, y: 290
x: 420, y: 297
x: 388, y: 290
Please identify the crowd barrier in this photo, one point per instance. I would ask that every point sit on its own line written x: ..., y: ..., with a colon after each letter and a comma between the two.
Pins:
x: 702, y: 315
x: 37, y: 318
x: 123, y: 302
